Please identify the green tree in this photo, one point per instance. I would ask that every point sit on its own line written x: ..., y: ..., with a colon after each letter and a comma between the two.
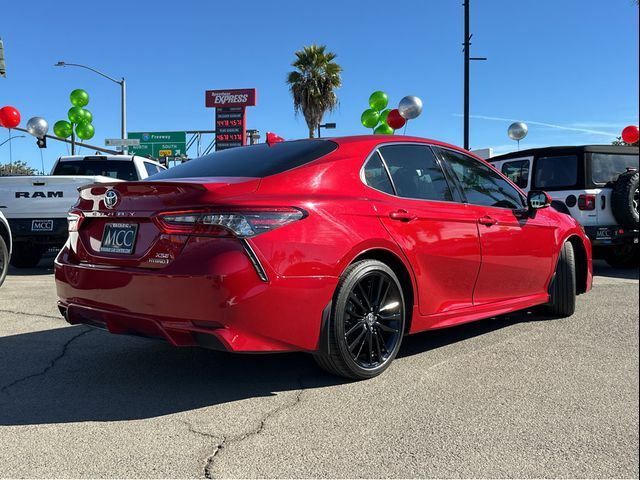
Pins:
x: 16, y: 168
x: 618, y: 141
x: 312, y: 84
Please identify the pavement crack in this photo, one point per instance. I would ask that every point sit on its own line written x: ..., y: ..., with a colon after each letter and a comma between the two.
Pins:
x: 40, y: 315
x: 259, y: 428
x: 52, y: 363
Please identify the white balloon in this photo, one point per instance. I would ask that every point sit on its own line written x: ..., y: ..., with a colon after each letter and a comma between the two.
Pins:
x: 37, y: 126
x: 517, y: 131
x: 410, y: 107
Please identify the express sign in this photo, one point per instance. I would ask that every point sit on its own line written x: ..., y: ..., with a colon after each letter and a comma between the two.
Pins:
x: 245, y: 97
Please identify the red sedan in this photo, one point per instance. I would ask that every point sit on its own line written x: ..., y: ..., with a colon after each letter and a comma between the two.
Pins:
x: 337, y: 247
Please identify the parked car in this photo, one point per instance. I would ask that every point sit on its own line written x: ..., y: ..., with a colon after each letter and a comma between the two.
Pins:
x: 595, y: 184
x: 338, y: 247
x: 5, y: 247
x: 37, y: 206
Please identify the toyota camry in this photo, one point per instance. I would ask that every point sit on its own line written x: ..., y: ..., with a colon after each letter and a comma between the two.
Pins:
x: 337, y: 247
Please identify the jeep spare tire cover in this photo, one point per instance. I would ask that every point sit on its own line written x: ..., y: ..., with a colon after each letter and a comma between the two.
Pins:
x: 624, y: 199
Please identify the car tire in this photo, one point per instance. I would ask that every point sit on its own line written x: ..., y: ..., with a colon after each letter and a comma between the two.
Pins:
x: 562, y: 301
x: 4, y: 260
x: 623, y: 256
x: 363, y: 341
x: 624, y: 199
x: 25, y: 255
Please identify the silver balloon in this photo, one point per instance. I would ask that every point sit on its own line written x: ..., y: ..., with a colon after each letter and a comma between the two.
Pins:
x: 410, y: 107
x: 518, y: 130
x: 37, y: 126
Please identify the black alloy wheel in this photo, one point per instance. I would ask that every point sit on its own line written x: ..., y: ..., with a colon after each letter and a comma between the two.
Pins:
x: 4, y: 259
x: 367, y: 323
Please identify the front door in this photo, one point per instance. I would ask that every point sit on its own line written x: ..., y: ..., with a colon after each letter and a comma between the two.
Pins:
x: 517, y: 250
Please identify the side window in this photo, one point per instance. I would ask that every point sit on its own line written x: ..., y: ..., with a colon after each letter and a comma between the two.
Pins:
x: 556, y: 172
x: 481, y: 184
x: 376, y: 176
x: 416, y: 173
x: 518, y: 172
x: 151, y: 168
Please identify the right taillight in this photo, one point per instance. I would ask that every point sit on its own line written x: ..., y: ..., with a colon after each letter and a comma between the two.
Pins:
x: 587, y: 202
x: 241, y: 222
x: 74, y: 220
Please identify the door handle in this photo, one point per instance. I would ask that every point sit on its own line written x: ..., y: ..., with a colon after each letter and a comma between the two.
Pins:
x: 487, y: 220
x: 402, y: 215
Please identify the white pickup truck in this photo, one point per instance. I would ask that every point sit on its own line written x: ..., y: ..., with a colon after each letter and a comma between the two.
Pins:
x: 36, y: 206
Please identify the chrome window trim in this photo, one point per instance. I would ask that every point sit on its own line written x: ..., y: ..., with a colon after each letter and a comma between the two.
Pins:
x: 255, y: 261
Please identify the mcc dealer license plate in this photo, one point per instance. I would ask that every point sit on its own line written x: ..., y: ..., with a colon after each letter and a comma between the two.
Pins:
x: 119, y: 238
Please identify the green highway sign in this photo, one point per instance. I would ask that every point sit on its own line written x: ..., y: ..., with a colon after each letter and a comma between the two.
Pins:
x: 159, y: 144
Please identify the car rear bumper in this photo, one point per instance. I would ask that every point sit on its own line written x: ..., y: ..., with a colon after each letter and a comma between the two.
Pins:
x: 611, y: 235
x: 220, y: 302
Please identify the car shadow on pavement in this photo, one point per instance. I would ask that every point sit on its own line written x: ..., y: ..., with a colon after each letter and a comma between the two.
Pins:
x: 601, y: 269
x: 77, y: 374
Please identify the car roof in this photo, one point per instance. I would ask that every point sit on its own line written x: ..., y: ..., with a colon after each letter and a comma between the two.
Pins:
x: 373, y: 140
x: 567, y: 149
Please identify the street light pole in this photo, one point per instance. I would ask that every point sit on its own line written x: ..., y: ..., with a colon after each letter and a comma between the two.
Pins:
x: 467, y: 59
x: 123, y: 96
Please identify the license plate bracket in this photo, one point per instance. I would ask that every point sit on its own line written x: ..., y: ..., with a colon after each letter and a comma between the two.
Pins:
x: 604, y: 234
x: 119, y: 238
x: 42, y: 225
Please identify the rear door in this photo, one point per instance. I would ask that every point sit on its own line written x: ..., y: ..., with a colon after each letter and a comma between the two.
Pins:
x: 516, y: 249
x: 419, y: 209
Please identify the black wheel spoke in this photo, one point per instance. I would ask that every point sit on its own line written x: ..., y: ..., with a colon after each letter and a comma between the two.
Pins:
x: 378, y: 349
x: 364, y: 296
x: 355, y: 300
x: 357, y: 325
x: 355, y: 343
x: 389, y: 316
x: 386, y: 328
x: 370, y: 345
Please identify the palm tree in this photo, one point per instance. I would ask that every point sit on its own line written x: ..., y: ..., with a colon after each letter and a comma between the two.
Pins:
x: 312, y: 84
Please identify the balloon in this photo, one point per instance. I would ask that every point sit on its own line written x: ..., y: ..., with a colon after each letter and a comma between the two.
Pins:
x: 37, y: 126
x: 9, y: 117
x: 410, y: 107
x: 383, y: 129
x: 85, y: 130
x: 630, y: 134
x: 87, y: 116
x: 369, y: 118
x: 517, y: 131
x: 395, y: 120
x: 79, y: 98
x: 383, y: 115
x: 76, y: 114
x: 378, y: 101
x: 62, y: 129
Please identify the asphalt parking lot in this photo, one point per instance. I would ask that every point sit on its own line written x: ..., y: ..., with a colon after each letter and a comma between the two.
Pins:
x: 517, y: 396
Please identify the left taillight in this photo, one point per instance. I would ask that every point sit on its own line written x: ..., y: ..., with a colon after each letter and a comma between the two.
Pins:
x: 74, y: 220
x: 243, y: 222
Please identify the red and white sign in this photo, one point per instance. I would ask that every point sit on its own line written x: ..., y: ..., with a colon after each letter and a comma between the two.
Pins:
x: 243, y: 97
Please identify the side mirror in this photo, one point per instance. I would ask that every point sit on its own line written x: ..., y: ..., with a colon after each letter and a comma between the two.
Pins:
x: 537, y: 199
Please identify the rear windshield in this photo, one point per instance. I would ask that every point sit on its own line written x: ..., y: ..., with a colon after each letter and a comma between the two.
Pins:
x: 556, y: 172
x: 606, y: 167
x: 123, y: 170
x: 252, y: 161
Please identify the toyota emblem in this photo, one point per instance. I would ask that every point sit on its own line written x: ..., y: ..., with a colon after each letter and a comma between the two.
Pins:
x: 111, y: 199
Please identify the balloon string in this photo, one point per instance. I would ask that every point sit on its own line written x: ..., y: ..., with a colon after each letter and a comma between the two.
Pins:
x: 10, y: 155
x: 41, y: 160
x: 404, y: 132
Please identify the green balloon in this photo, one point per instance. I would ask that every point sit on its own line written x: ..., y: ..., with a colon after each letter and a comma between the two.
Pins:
x: 369, y: 118
x: 87, y: 116
x: 383, y: 115
x: 62, y: 129
x: 85, y: 130
x: 383, y: 129
x: 79, y: 98
x: 378, y: 100
x: 76, y: 114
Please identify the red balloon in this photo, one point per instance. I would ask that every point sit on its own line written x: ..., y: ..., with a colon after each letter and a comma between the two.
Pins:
x: 395, y: 120
x: 630, y: 134
x: 9, y: 117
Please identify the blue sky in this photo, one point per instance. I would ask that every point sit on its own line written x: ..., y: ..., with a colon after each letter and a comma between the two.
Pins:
x: 567, y: 67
